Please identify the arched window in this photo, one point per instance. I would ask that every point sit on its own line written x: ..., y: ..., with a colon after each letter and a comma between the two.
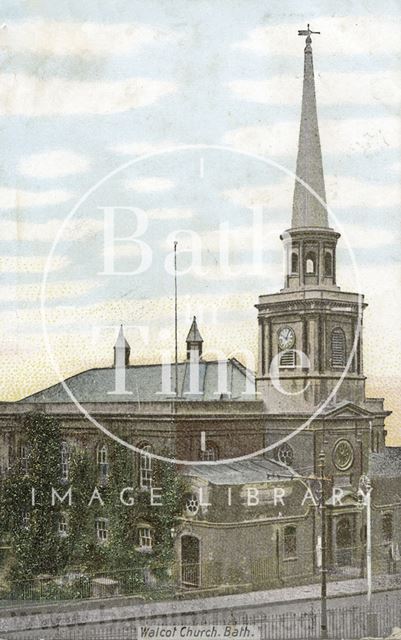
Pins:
x: 294, y: 262
x: 145, y: 466
x: 338, y: 348
x: 64, y: 461
x: 103, y: 463
x: 328, y: 264
x: 211, y: 452
x: 387, y: 528
x: 290, y: 542
x: 310, y: 263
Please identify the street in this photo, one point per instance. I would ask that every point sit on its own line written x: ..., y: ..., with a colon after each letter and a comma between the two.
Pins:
x: 278, y: 612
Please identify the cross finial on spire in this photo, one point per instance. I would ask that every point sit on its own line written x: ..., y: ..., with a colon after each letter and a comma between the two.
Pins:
x: 307, y: 32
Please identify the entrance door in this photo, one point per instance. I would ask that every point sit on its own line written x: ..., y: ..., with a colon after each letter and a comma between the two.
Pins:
x: 190, y: 561
x: 344, y: 542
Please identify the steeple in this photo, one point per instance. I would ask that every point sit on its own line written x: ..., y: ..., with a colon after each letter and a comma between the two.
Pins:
x: 194, y: 341
x: 122, y: 350
x: 310, y: 244
x: 307, y: 210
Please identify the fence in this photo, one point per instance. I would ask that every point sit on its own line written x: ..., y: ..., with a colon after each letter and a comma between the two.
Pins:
x: 343, y: 623
x: 159, y: 582
x: 155, y: 583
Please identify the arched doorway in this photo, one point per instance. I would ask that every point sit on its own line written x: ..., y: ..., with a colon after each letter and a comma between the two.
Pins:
x: 190, y: 561
x: 344, y: 541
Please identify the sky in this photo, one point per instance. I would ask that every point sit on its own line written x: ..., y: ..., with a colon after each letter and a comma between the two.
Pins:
x: 189, y: 112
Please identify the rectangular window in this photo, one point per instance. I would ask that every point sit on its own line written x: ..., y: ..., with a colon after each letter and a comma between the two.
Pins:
x: 23, y: 456
x: 102, y: 529
x: 103, y: 464
x: 64, y: 464
x: 63, y: 526
x: 25, y: 520
x: 290, y: 543
x: 145, y: 537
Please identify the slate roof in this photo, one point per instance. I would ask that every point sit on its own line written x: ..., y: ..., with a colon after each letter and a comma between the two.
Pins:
x: 386, y: 463
x: 254, y: 470
x: 145, y: 382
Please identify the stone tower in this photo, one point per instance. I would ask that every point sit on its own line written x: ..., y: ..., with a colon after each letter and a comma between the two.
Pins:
x: 310, y: 338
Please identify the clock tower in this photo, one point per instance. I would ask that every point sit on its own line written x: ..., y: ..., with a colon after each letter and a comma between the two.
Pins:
x: 310, y: 333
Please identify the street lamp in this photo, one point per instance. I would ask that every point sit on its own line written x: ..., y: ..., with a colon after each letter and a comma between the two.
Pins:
x: 365, y: 489
x: 323, y: 584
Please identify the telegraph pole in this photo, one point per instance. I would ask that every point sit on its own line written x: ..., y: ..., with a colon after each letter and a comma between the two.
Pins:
x: 323, y: 584
x: 175, y: 321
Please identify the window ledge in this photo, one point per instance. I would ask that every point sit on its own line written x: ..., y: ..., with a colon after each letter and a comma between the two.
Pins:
x: 294, y: 559
x: 144, y: 549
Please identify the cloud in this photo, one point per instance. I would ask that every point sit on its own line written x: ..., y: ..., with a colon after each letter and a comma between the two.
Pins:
x: 13, y: 231
x: 30, y: 96
x: 118, y: 250
x: 343, y: 137
x: 348, y: 36
x: 30, y: 264
x: 332, y: 88
x: 146, y: 185
x: 83, y: 39
x: 54, y: 291
x: 143, y: 148
x: 170, y: 214
x: 53, y: 164
x: 267, y: 270
x: 20, y: 198
x: 342, y: 192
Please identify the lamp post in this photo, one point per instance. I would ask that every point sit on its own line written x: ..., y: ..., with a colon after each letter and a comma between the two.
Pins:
x: 365, y: 489
x: 323, y: 584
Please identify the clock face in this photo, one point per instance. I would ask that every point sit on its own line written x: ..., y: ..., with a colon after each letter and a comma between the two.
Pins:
x: 343, y: 455
x: 286, y: 338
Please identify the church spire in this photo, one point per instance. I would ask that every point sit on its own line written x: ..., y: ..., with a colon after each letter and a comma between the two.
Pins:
x: 307, y: 210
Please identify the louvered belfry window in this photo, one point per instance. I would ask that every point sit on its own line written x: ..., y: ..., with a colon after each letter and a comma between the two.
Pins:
x: 338, y: 354
x: 287, y: 358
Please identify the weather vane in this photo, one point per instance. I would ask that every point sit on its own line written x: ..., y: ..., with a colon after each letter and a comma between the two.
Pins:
x: 307, y: 32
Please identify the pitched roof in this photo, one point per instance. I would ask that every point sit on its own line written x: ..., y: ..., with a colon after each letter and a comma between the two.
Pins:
x: 194, y: 334
x: 145, y: 384
x: 386, y: 463
x: 253, y: 470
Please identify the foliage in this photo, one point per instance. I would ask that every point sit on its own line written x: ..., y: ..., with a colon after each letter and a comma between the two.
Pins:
x: 36, y: 545
x: 31, y: 526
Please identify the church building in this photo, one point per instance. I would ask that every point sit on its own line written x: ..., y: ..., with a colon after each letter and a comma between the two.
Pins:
x: 279, y: 441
